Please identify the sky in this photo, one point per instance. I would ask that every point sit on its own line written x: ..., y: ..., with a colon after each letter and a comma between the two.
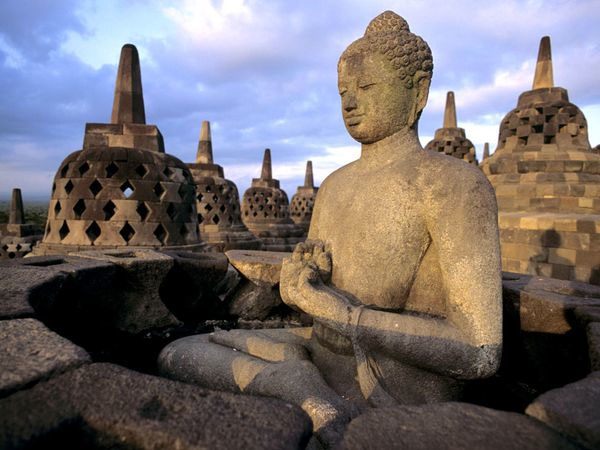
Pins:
x: 264, y: 74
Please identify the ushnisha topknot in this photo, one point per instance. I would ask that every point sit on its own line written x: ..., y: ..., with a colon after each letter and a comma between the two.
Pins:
x: 389, y: 35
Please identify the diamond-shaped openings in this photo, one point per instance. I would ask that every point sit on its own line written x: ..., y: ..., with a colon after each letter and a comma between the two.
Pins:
x: 79, y: 208
x: 160, y: 233
x: 63, y: 171
x: 109, y: 210
x: 168, y: 172
x: 158, y: 190
x: 142, y: 210
x: 127, y: 232
x: 57, y: 208
x: 95, y: 188
x: 83, y: 168
x: 141, y: 170
x: 127, y: 189
x: 64, y: 230
x: 69, y: 187
x: 181, y: 191
x: 93, y: 232
x: 171, y: 211
x: 216, y: 219
x: 111, y: 169
x: 200, y: 218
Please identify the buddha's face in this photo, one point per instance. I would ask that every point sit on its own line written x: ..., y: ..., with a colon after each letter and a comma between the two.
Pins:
x: 375, y: 101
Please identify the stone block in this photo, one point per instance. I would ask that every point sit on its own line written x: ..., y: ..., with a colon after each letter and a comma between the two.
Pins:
x: 449, y: 426
x: 572, y: 410
x: 107, y: 406
x: 260, y: 267
x: 30, y: 352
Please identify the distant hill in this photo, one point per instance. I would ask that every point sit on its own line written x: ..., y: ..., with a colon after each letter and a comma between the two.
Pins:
x: 35, y: 211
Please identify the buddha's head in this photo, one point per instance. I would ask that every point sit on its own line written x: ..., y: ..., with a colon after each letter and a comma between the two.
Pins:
x: 383, y: 79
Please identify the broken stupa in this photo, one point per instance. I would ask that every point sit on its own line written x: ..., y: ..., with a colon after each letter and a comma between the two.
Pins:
x: 218, y: 202
x: 16, y: 236
x: 303, y: 201
x: 547, y: 182
x: 450, y: 139
x: 122, y: 189
x: 266, y: 213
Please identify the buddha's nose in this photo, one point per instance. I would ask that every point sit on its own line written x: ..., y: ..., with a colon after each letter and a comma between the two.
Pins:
x: 349, y: 102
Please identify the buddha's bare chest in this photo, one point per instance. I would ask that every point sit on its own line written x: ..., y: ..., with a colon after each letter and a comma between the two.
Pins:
x: 378, y: 237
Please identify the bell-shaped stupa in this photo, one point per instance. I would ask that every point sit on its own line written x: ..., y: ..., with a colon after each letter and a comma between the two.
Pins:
x: 450, y: 139
x: 265, y: 211
x: 122, y: 189
x: 303, y: 200
x: 547, y: 182
x: 16, y: 236
x: 218, y: 202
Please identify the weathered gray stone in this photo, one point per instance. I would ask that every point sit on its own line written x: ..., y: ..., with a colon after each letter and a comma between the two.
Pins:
x: 449, y: 426
x: 254, y: 302
x: 572, y: 410
x: 106, y: 406
x: 593, y: 340
x: 30, y: 352
x: 260, y: 267
x: 143, y: 272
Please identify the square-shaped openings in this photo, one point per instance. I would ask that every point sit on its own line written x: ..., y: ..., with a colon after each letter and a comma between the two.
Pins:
x: 111, y: 170
x: 127, y: 189
x: 79, y: 208
x: 142, y: 210
x: 95, y: 188
x: 159, y: 190
x: 160, y: 233
x: 83, y: 168
x: 127, y: 232
x: 69, y: 187
x: 109, y: 210
x: 141, y: 170
x: 93, y: 232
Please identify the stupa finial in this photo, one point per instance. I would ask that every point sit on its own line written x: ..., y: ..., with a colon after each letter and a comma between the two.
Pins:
x: 308, y: 176
x: 450, y: 111
x: 486, y: 150
x: 267, y: 171
x: 544, y: 77
x: 128, y: 105
x: 16, y: 216
x: 205, y: 154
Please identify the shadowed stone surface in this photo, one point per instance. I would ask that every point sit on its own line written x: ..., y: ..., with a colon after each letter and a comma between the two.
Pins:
x: 449, y: 426
x: 572, y: 410
x: 16, y: 214
x: 218, y: 201
x: 451, y: 140
x: 547, y: 182
x: 30, y: 352
x: 266, y: 213
x: 106, y: 406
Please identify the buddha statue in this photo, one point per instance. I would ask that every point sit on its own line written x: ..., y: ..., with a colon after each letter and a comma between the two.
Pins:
x: 401, y: 275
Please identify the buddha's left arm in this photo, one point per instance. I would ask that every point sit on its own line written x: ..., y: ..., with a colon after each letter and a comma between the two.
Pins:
x: 468, y: 342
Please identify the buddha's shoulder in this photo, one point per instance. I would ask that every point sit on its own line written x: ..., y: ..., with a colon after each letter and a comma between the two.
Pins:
x: 339, y: 176
x: 438, y: 169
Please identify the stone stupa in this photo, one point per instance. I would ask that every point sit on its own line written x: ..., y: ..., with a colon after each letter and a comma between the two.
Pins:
x: 16, y: 236
x: 450, y: 139
x: 486, y: 150
x: 122, y: 189
x: 547, y: 182
x: 266, y: 213
x: 303, y: 201
x: 218, y: 202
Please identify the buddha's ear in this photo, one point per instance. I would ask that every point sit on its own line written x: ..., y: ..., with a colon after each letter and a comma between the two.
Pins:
x: 421, y: 87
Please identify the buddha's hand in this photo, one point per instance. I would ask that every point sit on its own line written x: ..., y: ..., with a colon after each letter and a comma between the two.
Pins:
x: 308, y: 268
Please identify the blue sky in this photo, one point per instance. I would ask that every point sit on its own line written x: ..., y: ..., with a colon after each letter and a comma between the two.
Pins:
x: 264, y: 74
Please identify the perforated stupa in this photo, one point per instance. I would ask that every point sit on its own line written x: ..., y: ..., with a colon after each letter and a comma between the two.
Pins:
x: 265, y: 211
x: 122, y: 189
x: 547, y: 182
x: 450, y: 139
x: 303, y: 201
x: 218, y: 202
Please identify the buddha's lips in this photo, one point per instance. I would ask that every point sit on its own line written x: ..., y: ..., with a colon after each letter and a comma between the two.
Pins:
x: 353, y: 120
